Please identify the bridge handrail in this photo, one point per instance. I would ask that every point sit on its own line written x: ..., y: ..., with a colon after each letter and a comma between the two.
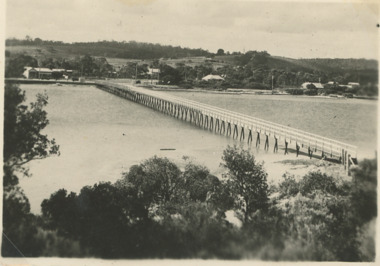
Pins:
x: 244, y: 119
x: 238, y: 116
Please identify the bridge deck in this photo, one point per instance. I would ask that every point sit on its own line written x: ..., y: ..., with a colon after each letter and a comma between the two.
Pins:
x: 288, y: 134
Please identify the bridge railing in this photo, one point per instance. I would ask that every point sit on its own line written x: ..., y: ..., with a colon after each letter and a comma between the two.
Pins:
x: 279, y: 131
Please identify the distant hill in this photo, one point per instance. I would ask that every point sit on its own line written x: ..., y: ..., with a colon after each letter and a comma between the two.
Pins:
x: 310, y: 65
x: 143, y: 51
x: 119, y: 54
x: 113, y: 49
x: 329, y: 64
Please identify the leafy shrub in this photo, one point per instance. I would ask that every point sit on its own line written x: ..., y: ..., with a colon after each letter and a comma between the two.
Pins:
x: 317, y: 181
x: 363, y: 193
x: 247, y: 181
x: 289, y: 186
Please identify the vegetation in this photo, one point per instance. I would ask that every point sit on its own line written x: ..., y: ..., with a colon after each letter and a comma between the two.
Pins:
x: 132, y: 49
x: 158, y: 211
x: 251, y: 70
x: 14, y: 67
x: 246, y: 181
x: 23, y: 142
x: 84, y: 65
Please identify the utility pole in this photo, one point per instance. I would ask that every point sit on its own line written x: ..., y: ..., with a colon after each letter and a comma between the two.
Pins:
x: 272, y: 83
x: 39, y: 69
x: 136, y: 73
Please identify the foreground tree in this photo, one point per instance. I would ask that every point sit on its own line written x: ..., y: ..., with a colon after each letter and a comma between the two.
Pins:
x: 23, y: 142
x: 247, y: 181
x: 327, y: 219
x: 23, y: 138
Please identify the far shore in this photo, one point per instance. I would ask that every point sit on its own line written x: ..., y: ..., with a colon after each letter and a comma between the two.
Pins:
x: 253, y: 92
x: 179, y: 89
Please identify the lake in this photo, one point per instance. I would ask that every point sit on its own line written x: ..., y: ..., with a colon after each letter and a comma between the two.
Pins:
x: 101, y: 135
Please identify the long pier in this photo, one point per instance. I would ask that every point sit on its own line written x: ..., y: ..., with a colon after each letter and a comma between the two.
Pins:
x: 236, y: 125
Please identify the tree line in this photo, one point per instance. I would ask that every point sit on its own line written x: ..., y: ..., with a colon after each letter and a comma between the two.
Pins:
x: 250, y: 70
x: 86, y: 65
x: 159, y: 210
x: 131, y: 49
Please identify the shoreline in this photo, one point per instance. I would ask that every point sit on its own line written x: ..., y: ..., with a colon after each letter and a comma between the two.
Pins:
x: 178, y: 89
x: 40, y: 81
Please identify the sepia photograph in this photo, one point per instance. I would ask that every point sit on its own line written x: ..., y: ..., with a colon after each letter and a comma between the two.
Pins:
x: 219, y: 131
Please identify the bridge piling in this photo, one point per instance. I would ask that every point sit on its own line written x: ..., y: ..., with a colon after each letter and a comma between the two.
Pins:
x: 204, y: 115
x: 275, y: 148
x: 258, y: 140
x: 242, y: 133
x: 249, y: 136
x: 266, y: 145
x: 229, y: 129
x: 235, y: 132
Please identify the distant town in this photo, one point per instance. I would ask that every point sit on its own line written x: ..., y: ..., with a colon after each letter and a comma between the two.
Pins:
x: 176, y: 67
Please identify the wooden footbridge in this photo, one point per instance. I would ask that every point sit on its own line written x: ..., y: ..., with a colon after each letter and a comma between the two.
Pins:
x: 236, y: 125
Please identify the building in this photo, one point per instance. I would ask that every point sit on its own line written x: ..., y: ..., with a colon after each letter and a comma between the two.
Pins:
x: 30, y: 73
x: 316, y: 84
x: 153, y: 71
x: 37, y: 73
x: 212, y: 77
x: 353, y: 84
x: 45, y: 73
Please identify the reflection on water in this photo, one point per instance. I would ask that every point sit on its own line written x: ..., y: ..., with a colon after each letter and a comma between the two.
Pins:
x: 101, y: 135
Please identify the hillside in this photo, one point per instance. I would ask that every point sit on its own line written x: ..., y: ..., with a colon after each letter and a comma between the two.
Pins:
x: 253, y: 69
x: 330, y: 64
x: 120, y: 53
x: 112, y: 49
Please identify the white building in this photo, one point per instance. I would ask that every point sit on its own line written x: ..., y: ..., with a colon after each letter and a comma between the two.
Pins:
x: 43, y: 72
x: 153, y: 71
x: 353, y: 84
x: 37, y: 72
x: 212, y: 77
x: 316, y: 84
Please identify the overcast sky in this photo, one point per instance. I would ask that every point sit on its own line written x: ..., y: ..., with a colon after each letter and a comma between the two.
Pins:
x: 291, y: 29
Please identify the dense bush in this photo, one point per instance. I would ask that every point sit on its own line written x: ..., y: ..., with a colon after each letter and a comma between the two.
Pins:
x: 295, y: 91
x: 157, y: 210
x: 311, y: 92
x: 257, y: 86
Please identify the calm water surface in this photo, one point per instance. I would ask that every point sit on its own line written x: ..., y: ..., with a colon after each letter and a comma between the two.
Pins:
x: 352, y: 121
x: 101, y: 135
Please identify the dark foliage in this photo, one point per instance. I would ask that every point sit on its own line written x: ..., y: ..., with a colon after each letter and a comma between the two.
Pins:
x: 23, y: 138
x: 23, y: 142
x: 247, y: 181
x: 295, y: 91
x: 327, y: 216
x: 14, y: 66
x: 363, y: 194
x: 132, y: 49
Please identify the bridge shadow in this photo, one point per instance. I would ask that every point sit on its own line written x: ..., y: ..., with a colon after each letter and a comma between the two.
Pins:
x: 301, y: 153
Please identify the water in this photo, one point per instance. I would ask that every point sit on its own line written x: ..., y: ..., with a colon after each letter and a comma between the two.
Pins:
x: 352, y: 121
x: 101, y: 135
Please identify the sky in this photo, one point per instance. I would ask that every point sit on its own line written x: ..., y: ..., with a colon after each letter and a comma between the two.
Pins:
x: 343, y: 29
